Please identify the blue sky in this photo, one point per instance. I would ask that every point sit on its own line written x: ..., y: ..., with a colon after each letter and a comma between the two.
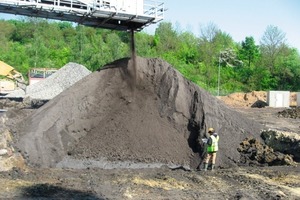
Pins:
x: 238, y: 18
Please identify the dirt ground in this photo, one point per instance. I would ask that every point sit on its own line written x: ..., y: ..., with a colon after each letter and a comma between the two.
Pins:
x: 22, y: 181
x: 278, y: 182
x: 162, y: 183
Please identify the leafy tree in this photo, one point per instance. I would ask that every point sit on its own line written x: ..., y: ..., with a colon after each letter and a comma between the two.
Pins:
x: 209, y: 53
x: 145, y: 44
x: 118, y: 49
x: 188, y: 48
x: 271, y: 45
x: 289, y: 73
x: 166, y: 38
x: 5, y: 36
x: 229, y: 58
x: 32, y: 42
x: 249, y: 51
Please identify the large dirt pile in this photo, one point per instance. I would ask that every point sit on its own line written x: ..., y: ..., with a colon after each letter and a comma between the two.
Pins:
x: 144, y: 113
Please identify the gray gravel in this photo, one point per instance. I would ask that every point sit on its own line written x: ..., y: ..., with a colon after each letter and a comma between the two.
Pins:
x: 55, y: 84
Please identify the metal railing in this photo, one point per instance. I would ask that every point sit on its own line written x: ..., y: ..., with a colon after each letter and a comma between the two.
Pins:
x: 117, y: 14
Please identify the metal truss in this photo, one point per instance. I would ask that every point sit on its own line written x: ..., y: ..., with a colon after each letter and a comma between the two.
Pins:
x: 110, y: 14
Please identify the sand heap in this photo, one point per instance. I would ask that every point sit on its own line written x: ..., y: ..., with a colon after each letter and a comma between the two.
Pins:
x: 257, y: 99
x: 148, y: 114
x: 240, y: 99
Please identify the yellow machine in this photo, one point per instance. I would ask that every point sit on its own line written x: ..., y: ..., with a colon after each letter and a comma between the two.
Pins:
x: 9, y: 72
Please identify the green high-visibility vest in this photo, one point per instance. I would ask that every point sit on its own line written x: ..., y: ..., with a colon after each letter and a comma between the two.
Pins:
x: 214, y: 146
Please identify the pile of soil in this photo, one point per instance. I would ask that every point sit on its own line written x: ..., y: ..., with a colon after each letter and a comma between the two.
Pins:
x: 241, y: 99
x: 285, y: 142
x: 290, y: 113
x: 143, y: 113
x: 254, y: 153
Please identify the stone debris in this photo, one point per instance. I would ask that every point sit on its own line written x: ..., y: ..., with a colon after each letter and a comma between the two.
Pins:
x: 255, y: 153
x: 285, y: 142
x: 54, y: 84
x: 290, y: 113
x: 3, y: 152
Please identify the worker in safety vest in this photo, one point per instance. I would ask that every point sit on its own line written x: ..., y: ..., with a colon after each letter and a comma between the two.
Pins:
x: 212, y: 148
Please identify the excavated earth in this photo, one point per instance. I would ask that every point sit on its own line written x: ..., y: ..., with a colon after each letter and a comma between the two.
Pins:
x: 134, y: 131
x: 148, y: 114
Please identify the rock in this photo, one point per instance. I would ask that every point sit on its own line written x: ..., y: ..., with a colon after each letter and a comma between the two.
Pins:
x: 290, y: 113
x: 284, y: 142
x: 259, y: 104
x: 3, y: 152
x: 13, y: 161
x: 253, y: 152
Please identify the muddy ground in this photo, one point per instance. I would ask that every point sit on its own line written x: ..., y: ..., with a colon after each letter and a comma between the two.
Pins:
x: 281, y: 182
x: 277, y: 182
x: 163, y: 183
x: 233, y: 181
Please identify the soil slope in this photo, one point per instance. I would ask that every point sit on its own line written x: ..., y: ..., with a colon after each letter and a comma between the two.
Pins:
x: 144, y: 112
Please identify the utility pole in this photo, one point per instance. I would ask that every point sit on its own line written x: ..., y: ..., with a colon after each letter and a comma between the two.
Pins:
x: 219, y: 73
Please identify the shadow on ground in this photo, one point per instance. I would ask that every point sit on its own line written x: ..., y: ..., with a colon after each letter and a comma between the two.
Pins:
x: 56, y: 192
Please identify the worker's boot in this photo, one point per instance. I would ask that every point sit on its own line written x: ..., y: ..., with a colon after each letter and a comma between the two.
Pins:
x: 212, y: 167
x: 205, y: 166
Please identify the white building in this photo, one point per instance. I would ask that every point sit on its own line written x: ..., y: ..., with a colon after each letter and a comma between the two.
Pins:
x: 278, y: 98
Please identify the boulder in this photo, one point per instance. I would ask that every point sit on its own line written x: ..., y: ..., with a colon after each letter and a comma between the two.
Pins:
x: 285, y: 142
x: 253, y: 152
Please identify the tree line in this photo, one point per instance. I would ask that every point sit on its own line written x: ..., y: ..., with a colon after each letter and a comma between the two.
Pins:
x: 212, y: 60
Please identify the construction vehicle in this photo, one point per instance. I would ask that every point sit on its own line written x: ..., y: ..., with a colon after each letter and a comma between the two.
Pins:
x: 13, y: 78
x: 37, y: 74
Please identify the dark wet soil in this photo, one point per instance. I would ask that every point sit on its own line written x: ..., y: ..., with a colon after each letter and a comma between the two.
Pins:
x: 161, y: 183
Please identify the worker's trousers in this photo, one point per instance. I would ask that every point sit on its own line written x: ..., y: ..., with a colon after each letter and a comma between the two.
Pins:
x: 210, y: 158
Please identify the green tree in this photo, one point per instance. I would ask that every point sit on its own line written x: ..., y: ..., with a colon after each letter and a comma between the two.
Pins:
x: 187, y: 50
x: 271, y: 45
x: 209, y: 54
x: 166, y: 38
x: 249, y: 51
x: 5, y: 36
x: 289, y: 73
x: 145, y: 44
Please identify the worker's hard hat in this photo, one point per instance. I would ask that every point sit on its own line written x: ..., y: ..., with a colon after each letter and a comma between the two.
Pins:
x: 211, y: 130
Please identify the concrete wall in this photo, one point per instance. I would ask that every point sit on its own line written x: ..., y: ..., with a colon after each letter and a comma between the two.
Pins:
x: 278, y: 98
x: 298, y: 98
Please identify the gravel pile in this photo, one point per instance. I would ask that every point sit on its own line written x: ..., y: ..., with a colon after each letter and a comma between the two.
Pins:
x: 55, y: 84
